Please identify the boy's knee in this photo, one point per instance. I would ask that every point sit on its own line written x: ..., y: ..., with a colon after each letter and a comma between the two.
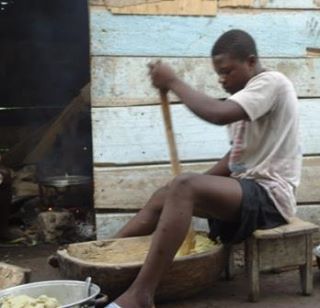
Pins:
x: 184, y: 181
x: 161, y: 192
x: 157, y: 199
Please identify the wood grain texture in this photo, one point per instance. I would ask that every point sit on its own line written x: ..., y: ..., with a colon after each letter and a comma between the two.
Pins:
x: 131, y: 187
x: 175, y: 7
x: 306, y: 271
x: 166, y: 113
x: 235, y: 3
x: 122, y: 3
x: 124, y: 81
x: 271, y: 4
x: 277, y: 253
x: 109, y: 224
x: 296, y: 227
x: 289, y: 33
x: 261, y: 4
x: 136, y: 135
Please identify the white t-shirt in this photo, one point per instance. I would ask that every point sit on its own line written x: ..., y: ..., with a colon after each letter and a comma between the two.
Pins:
x: 267, y: 148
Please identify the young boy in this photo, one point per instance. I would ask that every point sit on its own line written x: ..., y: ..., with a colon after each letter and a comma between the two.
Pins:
x: 252, y: 186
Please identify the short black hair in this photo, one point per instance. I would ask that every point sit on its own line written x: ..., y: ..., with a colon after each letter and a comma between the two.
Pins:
x: 237, y: 43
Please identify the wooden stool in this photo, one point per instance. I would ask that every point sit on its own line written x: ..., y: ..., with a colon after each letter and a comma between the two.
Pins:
x: 288, y: 245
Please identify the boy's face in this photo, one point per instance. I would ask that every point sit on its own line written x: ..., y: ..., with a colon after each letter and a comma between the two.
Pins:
x: 234, y: 73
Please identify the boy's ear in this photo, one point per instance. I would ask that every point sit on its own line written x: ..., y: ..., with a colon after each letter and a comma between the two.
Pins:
x: 252, y: 60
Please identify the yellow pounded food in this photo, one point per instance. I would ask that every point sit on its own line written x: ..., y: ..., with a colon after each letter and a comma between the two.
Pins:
x: 130, y: 250
x: 202, y: 244
x: 25, y: 301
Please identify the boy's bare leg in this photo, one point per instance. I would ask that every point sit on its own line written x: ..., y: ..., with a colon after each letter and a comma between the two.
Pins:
x: 217, y: 196
x: 146, y: 220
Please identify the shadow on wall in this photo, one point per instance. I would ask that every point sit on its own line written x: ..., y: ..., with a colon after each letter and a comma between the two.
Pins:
x: 44, y: 61
x: 44, y: 54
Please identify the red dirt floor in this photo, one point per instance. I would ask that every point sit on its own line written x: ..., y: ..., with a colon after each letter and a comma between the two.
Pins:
x: 277, y: 290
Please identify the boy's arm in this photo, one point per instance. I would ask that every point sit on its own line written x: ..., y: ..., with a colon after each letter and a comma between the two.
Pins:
x: 221, y: 167
x: 208, y: 108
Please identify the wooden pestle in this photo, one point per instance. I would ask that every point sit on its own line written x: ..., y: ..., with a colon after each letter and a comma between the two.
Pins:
x: 189, y: 241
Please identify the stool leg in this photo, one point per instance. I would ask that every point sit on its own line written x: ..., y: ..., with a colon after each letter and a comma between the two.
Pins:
x: 229, y: 269
x: 253, y: 269
x: 246, y: 254
x: 306, y: 275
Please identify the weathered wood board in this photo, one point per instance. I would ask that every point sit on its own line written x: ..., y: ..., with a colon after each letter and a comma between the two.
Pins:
x: 236, y: 3
x: 277, y: 251
x: 124, y: 81
x: 263, y: 4
x: 136, y: 135
x: 123, y: 3
x: 271, y: 4
x: 109, y: 224
x: 131, y: 187
x: 297, y: 227
x: 288, y: 35
x: 175, y: 7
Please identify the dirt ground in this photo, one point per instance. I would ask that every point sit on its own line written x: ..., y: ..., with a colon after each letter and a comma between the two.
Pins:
x: 277, y: 290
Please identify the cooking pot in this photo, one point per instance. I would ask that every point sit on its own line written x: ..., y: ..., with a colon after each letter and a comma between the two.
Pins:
x: 65, y: 180
x: 68, y: 293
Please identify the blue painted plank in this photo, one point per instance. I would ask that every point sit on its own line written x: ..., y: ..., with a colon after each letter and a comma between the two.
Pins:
x: 136, y: 135
x: 124, y: 81
x: 281, y: 33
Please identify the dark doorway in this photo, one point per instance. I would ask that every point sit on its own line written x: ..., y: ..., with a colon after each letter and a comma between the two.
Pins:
x: 45, y: 123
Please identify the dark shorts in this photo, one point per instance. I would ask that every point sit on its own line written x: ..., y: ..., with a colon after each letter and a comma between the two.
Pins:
x: 257, y: 212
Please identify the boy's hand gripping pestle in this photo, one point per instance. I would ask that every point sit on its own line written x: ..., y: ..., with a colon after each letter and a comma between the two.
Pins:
x: 189, y: 241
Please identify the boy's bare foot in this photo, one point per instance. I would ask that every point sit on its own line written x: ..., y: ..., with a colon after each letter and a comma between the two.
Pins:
x: 130, y: 300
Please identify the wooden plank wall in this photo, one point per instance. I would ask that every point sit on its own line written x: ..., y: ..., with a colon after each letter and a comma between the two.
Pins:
x: 130, y: 150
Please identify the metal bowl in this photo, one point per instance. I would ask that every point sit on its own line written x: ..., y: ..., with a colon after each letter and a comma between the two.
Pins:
x: 69, y: 293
